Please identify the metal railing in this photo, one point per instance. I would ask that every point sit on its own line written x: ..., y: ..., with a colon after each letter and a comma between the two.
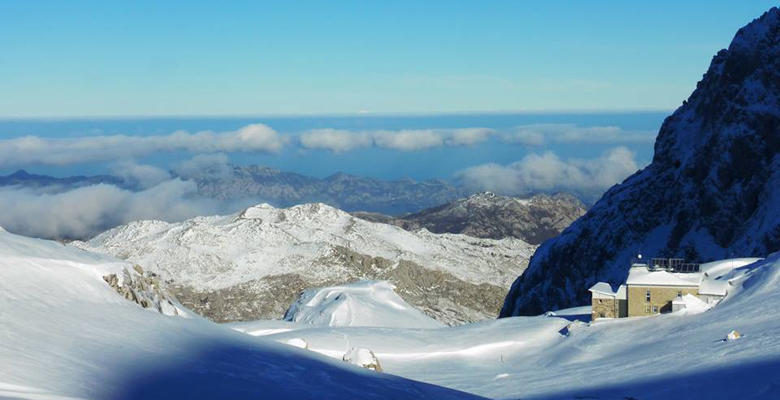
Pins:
x: 669, y: 264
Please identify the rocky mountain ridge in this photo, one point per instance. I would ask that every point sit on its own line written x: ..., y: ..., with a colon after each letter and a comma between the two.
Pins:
x: 491, y: 216
x: 711, y: 192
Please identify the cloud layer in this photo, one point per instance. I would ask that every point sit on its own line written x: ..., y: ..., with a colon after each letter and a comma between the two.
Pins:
x: 86, y: 211
x: 31, y: 150
x: 540, y: 134
x: 204, y: 166
x: 340, y: 141
x: 547, y: 172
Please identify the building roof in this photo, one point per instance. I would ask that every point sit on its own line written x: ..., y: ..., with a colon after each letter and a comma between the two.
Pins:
x: 603, y: 288
x: 716, y: 287
x: 641, y: 276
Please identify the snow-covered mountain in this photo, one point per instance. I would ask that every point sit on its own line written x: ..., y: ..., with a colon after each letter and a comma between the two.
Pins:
x: 488, y: 215
x: 711, y: 192
x: 253, y: 264
x: 67, y: 334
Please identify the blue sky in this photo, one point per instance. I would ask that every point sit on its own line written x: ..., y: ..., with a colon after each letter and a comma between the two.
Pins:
x: 147, y: 58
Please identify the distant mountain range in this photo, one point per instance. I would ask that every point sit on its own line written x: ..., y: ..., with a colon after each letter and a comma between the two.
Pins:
x: 340, y: 190
x: 488, y: 215
x: 434, y: 204
x: 24, y: 179
x: 258, y: 184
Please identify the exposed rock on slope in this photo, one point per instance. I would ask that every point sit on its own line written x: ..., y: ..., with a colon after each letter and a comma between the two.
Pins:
x: 143, y: 289
x: 711, y: 192
x: 253, y: 264
x: 487, y: 215
x: 346, y: 192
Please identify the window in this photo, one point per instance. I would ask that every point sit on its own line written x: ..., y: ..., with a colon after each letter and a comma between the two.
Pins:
x: 647, y: 309
x: 655, y: 309
x: 599, y: 301
x: 601, y: 315
x: 647, y: 295
x: 679, y: 293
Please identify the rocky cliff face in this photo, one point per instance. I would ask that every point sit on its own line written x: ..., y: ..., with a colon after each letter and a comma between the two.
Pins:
x: 487, y: 215
x: 346, y: 192
x: 711, y: 192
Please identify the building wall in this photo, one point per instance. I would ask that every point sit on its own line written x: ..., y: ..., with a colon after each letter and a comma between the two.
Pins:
x: 710, y: 298
x: 660, y: 297
x: 604, y: 308
x: 622, y: 308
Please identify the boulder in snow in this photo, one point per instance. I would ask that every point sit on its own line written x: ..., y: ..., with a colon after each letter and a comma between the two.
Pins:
x: 733, y: 335
x: 362, y: 357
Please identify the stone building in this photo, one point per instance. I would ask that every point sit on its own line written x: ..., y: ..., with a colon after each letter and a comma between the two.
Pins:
x: 659, y: 287
x: 608, y: 303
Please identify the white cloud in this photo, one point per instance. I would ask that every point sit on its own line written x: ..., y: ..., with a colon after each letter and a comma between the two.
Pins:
x: 35, y: 150
x: 526, y: 137
x: 408, y: 140
x: 204, y: 166
x: 141, y: 176
x: 340, y: 141
x: 468, y: 136
x: 86, y: 211
x: 587, y: 178
x: 538, y: 134
x: 335, y: 140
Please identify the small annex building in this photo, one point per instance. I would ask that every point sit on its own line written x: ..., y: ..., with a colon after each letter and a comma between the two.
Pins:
x: 608, y: 303
x: 659, y: 287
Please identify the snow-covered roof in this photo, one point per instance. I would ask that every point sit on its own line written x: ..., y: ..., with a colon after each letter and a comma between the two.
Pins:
x: 715, y: 287
x: 603, y: 288
x: 641, y: 276
x: 622, y: 294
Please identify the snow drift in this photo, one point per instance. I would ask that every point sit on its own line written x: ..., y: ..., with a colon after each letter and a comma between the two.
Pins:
x: 366, y: 303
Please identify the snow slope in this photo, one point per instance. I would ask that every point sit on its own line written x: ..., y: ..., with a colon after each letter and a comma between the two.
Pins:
x: 271, y: 254
x: 365, y: 303
x: 666, y: 356
x: 64, y: 333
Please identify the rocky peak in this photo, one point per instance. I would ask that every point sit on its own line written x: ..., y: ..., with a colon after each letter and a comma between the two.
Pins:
x: 711, y: 192
x: 488, y: 215
x: 20, y: 174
